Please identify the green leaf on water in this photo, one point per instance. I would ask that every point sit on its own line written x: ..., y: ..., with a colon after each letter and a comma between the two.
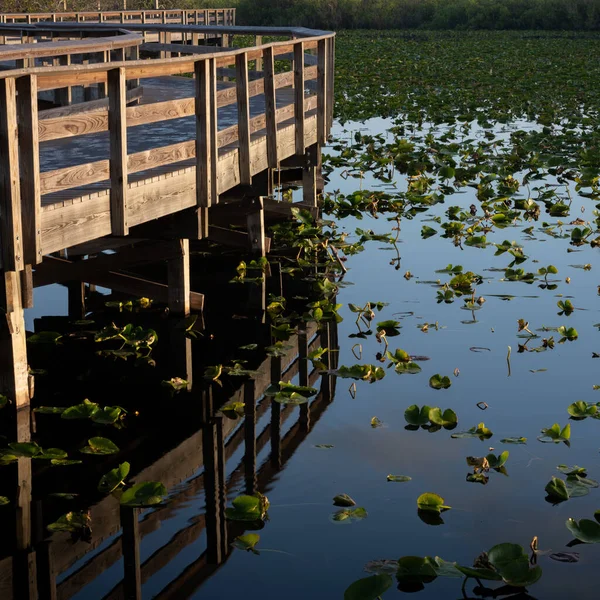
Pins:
x: 555, y: 434
x: 349, y: 515
x: 343, y: 500
x: 147, y: 493
x: 514, y: 440
x: 481, y: 432
x: 114, y: 478
x: 417, y: 416
x: 100, y: 446
x: 586, y: 530
x: 444, y: 419
x: 557, y: 490
x: 368, y: 588
x: 439, y: 382
x: 429, y: 502
x: 85, y: 410
x: 399, y: 478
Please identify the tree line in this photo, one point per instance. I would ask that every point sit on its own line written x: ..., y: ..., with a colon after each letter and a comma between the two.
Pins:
x: 369, y: 14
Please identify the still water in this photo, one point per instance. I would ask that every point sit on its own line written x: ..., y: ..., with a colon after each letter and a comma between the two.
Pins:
x: 303, y: 553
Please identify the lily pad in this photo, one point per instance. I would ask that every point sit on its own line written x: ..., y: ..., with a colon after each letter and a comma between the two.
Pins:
x: 343, y: 500
x: 429, y: 502
x: 114, y: 478
x: 147, y: 493
x: 368, y: 588
x: 417, y: 416
x: 100, y: 445
x: 247, y: 542
x: 439, y: 382
x: 399, y: 478
x: 349, y: 515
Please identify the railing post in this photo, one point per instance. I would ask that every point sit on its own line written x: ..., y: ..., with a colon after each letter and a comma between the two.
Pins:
x: 258, y: 63
x: 271, y: 108
x: 330, y: 83
x: 117, y: 126
x: 29, y: 168
x: 243, y: 107
x: 299, y: 95
x: 322, y: 90
x: 11, y: 231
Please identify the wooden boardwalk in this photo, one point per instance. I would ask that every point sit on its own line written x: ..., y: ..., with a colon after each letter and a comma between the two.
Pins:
x: 134, y: 141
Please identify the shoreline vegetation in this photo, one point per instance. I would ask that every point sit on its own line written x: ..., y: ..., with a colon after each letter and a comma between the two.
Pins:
x: 571, y: 15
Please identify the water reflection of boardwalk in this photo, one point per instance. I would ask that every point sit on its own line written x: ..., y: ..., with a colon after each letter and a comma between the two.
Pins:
x: 196, y: 463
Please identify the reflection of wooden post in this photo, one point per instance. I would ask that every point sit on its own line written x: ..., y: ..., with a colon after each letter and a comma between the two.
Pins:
x: 275, y: 415
x: 256, y: 227
x: 130, y: 543
x: 250, y: 435
x: 309, y: 175
x: 303, y: 377
x: 45, y: 571
x: 214, y: 485
x: 24, y: 563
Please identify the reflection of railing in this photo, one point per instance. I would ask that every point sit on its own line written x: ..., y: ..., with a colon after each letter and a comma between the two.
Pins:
x: 212, y: 446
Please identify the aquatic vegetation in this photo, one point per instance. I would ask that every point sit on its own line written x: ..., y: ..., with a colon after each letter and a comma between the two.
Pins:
x: 248, y: 508
x: 343, y: 500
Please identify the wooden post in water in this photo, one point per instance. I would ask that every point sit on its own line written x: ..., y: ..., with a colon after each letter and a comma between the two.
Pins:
x: 179, y: 281
x: 303, y: 378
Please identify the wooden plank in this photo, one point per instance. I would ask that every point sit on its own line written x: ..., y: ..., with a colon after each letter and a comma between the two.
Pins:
x: 322, y: 96
x: 74, y: 176
x: 214, y: 132
x: 11, y: 231
x: 243, y: 108
x: 331, y: 80
x: 183, y: 48
x: 118, y: 150
x: 203, y: 132
x: 29, y: 168
x: 299, y: 95
x: 270, y: 109
x: 179, y: 281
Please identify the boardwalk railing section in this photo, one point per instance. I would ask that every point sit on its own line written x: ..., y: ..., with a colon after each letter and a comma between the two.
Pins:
x: 207, y: 16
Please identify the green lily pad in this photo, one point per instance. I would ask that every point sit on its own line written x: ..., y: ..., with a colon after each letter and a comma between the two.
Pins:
x: 497, y: 462
x: 368, y: 588
x: 147, y: 493
x: 85, y: 410
x: 585, y: 530
x: 481, y: 432
x: 71, y: 522
x: 399, y: 478
x: 114, y: 478
x: 555, y: 434
x: 444, y: 419
x: 343, y: 500
x: 557, y: 490
x: 349, y: 515
x: 417, y: 416
x: 248, y: 508
x: 514, y: 440
x: 429, y: 502
x: 100, y: 445
x: 439, y: 382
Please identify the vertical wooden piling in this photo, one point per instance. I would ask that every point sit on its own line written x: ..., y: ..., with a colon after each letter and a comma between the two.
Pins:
x: 309, y: 175
x: 29, y: 168
x: 322, y: 99
x: 299, y: 95
x: 271, y: 108
x: 243, y: 108
x: 117, y: 125
x: 275, y: 456
x: 179, y: 281
x: 204, y: 146
x: 256, y: 227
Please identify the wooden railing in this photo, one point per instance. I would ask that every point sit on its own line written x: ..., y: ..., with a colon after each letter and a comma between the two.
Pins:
x: 207, y: 16
x: 211, y: 162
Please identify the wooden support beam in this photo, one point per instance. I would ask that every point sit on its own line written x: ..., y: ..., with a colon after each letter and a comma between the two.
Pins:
x: 55, y: 270
x: 322, y: 98
x: 29, y: 168
x: 27, y: 287
x: 275, y: 456
x: 299, y: 95
x: 204, y: 147
x: 130, y: 541
x: 243, y: 107
x: 136, y: 286
x: 179, y: 281
x: 256, y: 227
x: 258, y: 64
x: 117, y: 120
x: 11, y: 232
x: 271, y: 109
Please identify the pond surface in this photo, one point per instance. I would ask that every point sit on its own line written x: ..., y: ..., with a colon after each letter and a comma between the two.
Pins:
x: 303, y: 551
